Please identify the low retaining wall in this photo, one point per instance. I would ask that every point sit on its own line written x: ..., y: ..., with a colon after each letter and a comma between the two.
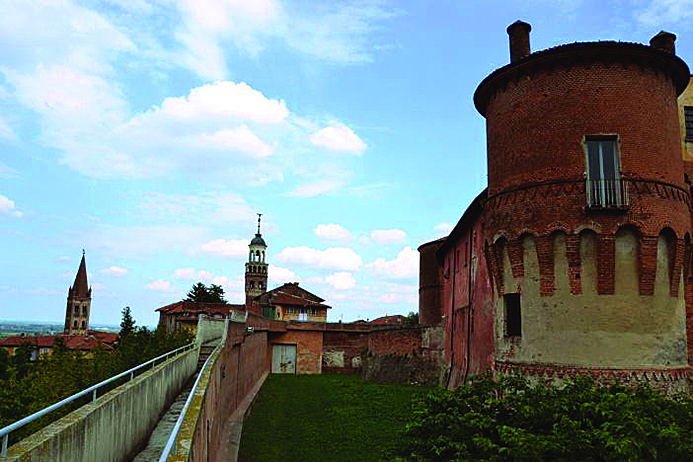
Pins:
x: 117, y: 425
x: 229, y: 377
x: 209, y: 329
x: 405, y: 355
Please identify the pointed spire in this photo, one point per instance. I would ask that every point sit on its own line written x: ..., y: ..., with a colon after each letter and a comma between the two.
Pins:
x: 80, y: 288
x: 259, y: 216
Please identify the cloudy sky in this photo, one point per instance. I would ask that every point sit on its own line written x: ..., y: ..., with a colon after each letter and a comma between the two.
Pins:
x: 150, y: 133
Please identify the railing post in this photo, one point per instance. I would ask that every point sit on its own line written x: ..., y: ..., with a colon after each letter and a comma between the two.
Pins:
x: 4, y: 445
x: 94, y: 396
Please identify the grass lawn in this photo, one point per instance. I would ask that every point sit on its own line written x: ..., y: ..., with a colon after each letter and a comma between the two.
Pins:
x: 328, y: 417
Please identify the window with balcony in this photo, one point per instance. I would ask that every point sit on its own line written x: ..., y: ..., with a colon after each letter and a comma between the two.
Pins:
x: 604, y: 186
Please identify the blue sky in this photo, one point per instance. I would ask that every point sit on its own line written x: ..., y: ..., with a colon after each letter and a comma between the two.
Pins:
x: 150, y: 133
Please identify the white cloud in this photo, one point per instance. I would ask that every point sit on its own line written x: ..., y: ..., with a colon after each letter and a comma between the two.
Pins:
x: 342, y: 258
x: 341, y: 280
x: 444, y: 228
x: 317, y: 188
x: 338, y: 33
x: 227, y: 247
x: 279, y: 275
x: 405, y: 265
x: 221, y: 280
x: 6, y: 171
x: 338, y: 138
x: 6, y: 131
x: 219, y: 101
x: 332, y: 231
x: 7, y: 206
x: 184, y: 273
x: 661, y: 12
x: 159, y: 285
x: 205, y: 276
x: 387, y: 236
x: 136, y: 241
x: 115, y: 271
x: 389, y: 298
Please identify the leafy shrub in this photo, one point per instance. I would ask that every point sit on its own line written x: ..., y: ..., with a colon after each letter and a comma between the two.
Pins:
x: 510, y: 420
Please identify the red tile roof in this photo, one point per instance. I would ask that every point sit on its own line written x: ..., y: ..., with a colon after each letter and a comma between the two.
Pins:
x: 281, y: 298
x: 190, y: 307
x: 77, y: 342
x: 395, y: 319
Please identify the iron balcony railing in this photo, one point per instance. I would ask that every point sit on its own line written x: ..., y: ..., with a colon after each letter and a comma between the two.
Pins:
x: 5, y: 432
x: 607, y: 194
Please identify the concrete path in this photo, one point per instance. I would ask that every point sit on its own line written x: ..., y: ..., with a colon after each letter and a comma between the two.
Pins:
x: 158, y: 438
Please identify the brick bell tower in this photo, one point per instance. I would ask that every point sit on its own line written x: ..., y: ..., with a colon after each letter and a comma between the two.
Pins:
x: 255, y: 270
x: 78, y: 303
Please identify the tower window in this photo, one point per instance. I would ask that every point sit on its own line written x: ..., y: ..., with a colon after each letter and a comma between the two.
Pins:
x: 84, y: 325
x: 604, y: 186
x: 688, y: 119
x: 513, y: 317
x: 252, y: 285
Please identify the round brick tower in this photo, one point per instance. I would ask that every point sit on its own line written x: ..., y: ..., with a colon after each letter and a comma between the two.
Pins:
x: 430, y: 284
x: 587, y: 218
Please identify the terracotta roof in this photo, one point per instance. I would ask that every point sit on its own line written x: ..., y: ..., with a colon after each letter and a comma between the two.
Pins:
x: 188, y: 306
x: 80, y: 288
x: 395, y: 319
x: 76, y: 342
x: 281, y: 298
x: 293, y: 289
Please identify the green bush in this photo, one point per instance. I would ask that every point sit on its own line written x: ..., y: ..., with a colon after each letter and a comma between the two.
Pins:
x: 510, y: 420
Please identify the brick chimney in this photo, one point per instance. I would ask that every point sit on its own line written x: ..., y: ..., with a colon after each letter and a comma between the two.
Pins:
x: 519, y: 40
x: 664, y: 41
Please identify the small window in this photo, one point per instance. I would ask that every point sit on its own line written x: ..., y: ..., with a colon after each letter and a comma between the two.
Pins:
x: 513, y: 318
x: 688, y: 119
x: 252, y: 285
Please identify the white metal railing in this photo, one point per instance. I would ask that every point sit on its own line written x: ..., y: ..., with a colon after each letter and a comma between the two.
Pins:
x: 607, y: 193
x: 170, y: 444
x: 5, y: 432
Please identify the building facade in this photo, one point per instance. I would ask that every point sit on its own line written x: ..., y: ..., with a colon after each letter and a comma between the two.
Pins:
x: 577, y: 256
x: 289, y: 302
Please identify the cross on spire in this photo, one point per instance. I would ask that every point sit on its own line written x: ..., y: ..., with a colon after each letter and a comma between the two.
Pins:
x: 259, y: 215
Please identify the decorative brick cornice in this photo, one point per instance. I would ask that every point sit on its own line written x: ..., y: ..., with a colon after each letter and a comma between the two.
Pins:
x: 608, y: 374
x: 637, y: 187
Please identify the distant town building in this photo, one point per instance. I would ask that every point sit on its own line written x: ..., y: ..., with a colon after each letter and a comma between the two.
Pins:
x: 43, y: 344
x: 76, y: 334
x: 290, y: 302
x: 78, y: 303
x: 185, y: 313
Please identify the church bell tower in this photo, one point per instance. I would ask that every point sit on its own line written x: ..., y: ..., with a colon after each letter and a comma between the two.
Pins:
x: 255, y: 270
x: 78, y: 303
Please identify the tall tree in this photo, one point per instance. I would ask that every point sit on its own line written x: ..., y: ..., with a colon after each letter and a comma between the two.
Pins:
x: 127, y: 325
x: 216, y: 293
x: 201, y: 293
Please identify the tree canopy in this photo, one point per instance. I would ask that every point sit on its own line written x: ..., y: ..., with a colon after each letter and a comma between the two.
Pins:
x: 511, y: 420
x: 201, y: 293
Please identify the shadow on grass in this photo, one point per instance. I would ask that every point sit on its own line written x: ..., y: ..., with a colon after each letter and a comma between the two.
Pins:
x: 329, y: 417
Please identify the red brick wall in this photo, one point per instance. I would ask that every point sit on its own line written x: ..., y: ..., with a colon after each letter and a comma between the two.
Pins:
x: 350, y: 346
x: 308, y: 348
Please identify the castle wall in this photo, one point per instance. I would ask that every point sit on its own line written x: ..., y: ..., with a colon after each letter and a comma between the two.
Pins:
x: 621, y: 329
